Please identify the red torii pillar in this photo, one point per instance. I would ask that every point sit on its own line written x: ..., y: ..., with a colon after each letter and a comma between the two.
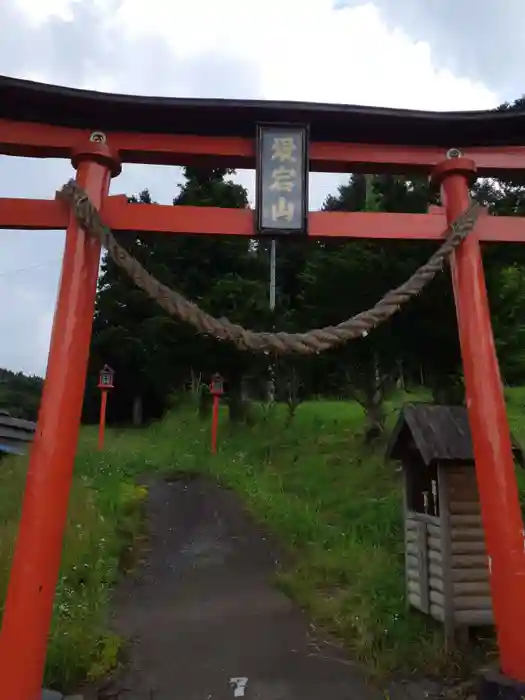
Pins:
x: 500, y: 506
x: 36, y: 562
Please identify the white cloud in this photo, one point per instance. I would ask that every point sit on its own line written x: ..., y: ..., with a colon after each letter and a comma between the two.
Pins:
x: 483, y: 40
x: 266, y: 49
x: 37, y: 12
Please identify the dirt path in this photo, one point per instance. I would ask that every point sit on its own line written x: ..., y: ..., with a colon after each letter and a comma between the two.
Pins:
x: 201, y: 612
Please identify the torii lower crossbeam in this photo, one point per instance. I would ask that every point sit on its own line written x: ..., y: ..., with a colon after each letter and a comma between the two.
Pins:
x: 119, y: 215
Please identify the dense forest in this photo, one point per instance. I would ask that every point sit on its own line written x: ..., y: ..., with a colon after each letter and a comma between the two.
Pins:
x: 319, y: 282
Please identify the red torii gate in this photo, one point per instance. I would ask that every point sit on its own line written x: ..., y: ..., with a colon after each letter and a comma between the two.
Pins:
x: 100, y: 131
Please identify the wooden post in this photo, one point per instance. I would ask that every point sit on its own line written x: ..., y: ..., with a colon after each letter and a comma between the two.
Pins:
x: 500, y: 507
x: 216, y: 390
x: 102, y: 423
x: 36, y: 562
x: 105, y: 383
x: 214, y: 423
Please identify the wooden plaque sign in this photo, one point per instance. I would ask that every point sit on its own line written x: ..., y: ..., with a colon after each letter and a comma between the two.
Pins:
x: 282, y: 179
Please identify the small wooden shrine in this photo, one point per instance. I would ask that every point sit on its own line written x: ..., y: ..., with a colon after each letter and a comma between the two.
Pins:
x: 447, y: 574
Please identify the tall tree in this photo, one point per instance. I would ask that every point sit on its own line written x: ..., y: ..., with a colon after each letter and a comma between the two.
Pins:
x: 344, y: 278
x: 318, y: 283
x: 152, y: 354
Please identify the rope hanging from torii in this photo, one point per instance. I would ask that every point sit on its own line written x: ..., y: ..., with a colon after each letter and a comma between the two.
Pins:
x: 311, y: 342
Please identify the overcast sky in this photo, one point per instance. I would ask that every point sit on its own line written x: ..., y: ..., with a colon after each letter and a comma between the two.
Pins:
x: 424, y: 54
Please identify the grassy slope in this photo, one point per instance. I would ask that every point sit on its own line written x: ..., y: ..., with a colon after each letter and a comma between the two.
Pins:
x: 103, y: 518
x: 333, y: 504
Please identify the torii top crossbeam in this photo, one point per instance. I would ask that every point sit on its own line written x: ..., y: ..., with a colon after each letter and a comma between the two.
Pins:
x: 46, y: 121
x: 23, y: 100
x: 99, y: 132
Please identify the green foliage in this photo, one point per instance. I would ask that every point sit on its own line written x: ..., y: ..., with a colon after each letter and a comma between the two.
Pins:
x: 20, y: 394
x: 105, y: 519
x: 152, y: 354
x: 342, y: 278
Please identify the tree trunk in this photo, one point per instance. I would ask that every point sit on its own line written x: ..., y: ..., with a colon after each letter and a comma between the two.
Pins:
x: 448, y: 391
x: 235, y: 402
x: 237, y: 406
x: 293, y: 399
x: 401, y: 379
x: 375, y: 419
x: 205, y: 402
x: 137, y: 411
x: 371, y: 394
x: 196, y: 382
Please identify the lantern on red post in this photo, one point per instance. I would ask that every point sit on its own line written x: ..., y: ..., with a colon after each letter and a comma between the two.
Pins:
x: 105, y: 383
x: 216, y: 390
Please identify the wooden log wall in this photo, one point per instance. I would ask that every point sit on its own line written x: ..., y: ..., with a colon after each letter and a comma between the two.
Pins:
x: 469, y: 572
x: 437, y: 581
x: 417, y: 561
x: 446, y: 563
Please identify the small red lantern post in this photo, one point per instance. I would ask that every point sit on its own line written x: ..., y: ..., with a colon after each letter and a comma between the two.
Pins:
x: 105, y: 382
x: 216, y: 390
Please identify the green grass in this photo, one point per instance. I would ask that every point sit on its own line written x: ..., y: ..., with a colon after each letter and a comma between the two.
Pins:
x: 104, y: 517
x: 516, y: 412
x: 332, y: 503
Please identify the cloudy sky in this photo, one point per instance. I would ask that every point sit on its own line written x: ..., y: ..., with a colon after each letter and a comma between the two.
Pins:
x: 432, y: 54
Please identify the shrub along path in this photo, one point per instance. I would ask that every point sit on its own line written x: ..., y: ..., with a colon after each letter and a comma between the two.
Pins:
x: 204, y: 620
